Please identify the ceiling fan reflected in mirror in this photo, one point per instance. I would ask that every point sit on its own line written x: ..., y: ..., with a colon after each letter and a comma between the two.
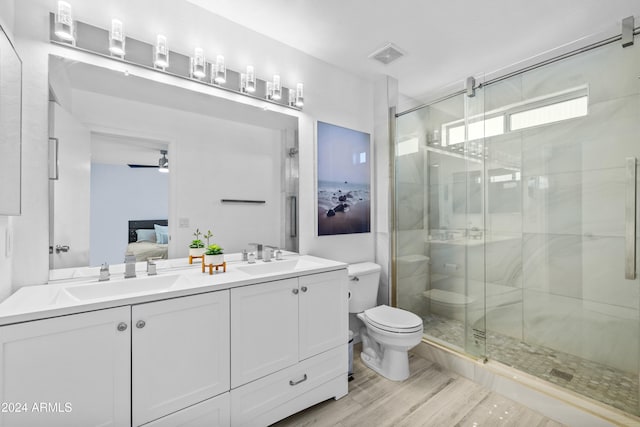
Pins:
x: 162, y: 166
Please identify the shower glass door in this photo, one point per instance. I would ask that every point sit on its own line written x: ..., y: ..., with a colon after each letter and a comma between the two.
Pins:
x: 440, y: 222
x: 560, y: 189
x: 516, y: 222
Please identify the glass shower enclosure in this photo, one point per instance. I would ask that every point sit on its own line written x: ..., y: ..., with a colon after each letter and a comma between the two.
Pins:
x: 515, y: 222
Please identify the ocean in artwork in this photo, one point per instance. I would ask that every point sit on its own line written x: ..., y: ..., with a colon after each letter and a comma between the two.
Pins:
x: 343, y: 208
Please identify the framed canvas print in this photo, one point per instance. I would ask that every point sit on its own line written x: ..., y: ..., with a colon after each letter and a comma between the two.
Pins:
x: 343, y: 180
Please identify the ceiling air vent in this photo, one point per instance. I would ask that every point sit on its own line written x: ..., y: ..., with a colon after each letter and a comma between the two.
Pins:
x: 387, y: 53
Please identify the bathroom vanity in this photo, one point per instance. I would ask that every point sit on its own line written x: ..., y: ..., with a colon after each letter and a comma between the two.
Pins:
x: 247, y: 347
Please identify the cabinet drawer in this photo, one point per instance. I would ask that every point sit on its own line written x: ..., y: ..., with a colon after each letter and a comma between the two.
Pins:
x: 213, y: 412
x: 252, y: 400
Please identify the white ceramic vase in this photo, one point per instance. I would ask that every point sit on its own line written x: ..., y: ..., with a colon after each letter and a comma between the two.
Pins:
x: 196, y: 251
x: 213, y: 259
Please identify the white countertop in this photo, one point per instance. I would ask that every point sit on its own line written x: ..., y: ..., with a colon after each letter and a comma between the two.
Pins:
x: 54, y: 299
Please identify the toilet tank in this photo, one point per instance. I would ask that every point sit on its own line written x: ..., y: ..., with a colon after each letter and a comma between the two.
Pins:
x: 364, y: 278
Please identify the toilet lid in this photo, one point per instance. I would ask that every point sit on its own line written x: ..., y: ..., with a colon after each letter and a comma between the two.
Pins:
x: 390, y: 318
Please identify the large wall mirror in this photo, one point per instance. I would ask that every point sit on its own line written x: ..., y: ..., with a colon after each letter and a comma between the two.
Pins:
x: 10, y: 127
x: 232, y: 168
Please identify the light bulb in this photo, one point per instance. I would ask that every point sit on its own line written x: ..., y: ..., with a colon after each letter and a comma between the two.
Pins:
x: 64, y: 22
x: 219, y: 70
x: 299, y: 95
x: 251, y: 80
x: 116, y: 38
x: 161, y: 52
x: 269, y: 94
x: 277, y: 88
x: 198, y: 62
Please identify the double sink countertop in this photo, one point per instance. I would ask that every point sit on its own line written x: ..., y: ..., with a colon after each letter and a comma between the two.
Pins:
x: 78, y: 290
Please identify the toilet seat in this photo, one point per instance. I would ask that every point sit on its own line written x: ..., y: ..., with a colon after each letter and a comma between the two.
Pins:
x: 391, y: 319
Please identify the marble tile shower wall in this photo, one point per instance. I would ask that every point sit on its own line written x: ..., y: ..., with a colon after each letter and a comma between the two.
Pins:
x: 552, y: 271
x: 575, y: 297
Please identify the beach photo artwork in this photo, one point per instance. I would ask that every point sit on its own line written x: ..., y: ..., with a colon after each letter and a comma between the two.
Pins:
x: 344, y: 181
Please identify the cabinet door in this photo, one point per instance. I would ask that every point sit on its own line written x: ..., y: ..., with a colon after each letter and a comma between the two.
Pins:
x: 264, y: 326
x: 180, y: 354
x: 324, y: 312
x: 68, y: 371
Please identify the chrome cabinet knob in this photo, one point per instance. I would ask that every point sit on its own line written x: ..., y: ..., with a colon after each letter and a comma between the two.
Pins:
x: 304, y: 289
x: 295, y: 291
x: 122, y: 326
x: 140, y: 324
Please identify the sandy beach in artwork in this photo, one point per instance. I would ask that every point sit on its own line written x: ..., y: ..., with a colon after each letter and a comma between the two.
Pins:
x: 354, y: 220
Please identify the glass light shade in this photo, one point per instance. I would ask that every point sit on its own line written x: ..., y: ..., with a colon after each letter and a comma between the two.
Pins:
x: 163, y: 163
x: 243, y: 82
x: 116, y: 38
x: 219, y: 70
x: 198, y: 63
x: 269, y: 94
x: 299, y: 95
x: 292, y: 97
x: 161, y: 52
x: 64, y: 22
x: 251, y: 80
x: 277, y: 88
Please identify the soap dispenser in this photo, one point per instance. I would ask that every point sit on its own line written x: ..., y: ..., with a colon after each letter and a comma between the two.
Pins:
x: 104, y: 273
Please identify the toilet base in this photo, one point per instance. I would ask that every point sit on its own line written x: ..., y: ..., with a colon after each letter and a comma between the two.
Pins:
x: 392, y: 363
x: 393, y: 366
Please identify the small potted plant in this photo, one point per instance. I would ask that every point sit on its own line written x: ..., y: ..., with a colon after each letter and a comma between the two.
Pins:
x: 196, y: 248
x: 213, y: 255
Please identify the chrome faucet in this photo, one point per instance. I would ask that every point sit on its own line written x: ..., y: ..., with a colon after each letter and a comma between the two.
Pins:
x: 152, y: 268
x: 258, y: 250
x: 268, y: 252
x: 130, y: 266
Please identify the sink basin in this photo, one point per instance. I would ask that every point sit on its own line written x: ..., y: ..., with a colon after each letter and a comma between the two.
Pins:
x: 126, y: 287
x: 260, y: 268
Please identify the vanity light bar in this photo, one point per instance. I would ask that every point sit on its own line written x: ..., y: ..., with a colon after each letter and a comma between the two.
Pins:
x: 63, y: 31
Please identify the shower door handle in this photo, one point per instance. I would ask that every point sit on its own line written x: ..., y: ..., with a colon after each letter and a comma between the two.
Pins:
x: 294, y: 216
x: 630, y: 219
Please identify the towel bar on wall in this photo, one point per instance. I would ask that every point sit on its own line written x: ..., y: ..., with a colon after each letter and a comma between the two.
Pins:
x: 255, y: 202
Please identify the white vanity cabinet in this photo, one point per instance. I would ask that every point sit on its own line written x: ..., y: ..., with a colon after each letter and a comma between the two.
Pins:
x: 180, y: 354
x: 67, y: 371
x: 288, y: 346
x: 251, y: 353
x: 122, y: 366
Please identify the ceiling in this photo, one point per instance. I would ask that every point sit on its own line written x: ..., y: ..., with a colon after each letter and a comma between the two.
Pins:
x: 444, y: 40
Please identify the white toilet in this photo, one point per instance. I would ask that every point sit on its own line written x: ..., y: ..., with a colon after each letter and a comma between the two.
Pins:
x: 389, y: 333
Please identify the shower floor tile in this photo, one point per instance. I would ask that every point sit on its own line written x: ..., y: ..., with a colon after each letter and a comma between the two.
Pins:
x: 595, y: 380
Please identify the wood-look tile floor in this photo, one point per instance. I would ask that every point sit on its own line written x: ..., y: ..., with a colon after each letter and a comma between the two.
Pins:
x: 432, y: 396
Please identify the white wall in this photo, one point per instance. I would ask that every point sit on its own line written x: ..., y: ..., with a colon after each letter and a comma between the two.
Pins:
x: 120, y: 194
x: 209, y: 159
x: 331, y: 95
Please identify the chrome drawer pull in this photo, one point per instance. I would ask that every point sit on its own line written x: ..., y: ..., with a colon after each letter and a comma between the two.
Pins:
x: 298, y: 382
x: 122, y: 326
